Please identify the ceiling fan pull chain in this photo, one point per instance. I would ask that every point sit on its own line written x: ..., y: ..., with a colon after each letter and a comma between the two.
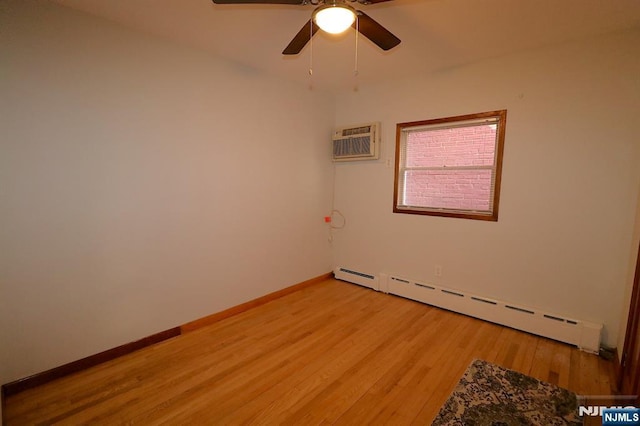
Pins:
x: 311, y: 55
x: 311, y: 48
x: 355, y: 71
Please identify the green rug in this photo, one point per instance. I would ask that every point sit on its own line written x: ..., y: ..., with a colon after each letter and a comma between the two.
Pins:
x: 489, y: 395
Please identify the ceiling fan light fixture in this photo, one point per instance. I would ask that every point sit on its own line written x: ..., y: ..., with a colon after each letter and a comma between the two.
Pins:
x: 334, y: 18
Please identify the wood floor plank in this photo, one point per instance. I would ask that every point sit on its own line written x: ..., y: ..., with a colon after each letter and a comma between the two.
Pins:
x: 331, y: 353
x: 377, y: 404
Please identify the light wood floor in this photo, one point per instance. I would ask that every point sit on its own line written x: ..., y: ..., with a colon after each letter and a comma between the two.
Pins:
x: 333, y: 353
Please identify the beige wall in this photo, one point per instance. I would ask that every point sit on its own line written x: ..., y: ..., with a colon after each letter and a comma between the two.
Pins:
x: 570, y: 180
x: 144, y: 185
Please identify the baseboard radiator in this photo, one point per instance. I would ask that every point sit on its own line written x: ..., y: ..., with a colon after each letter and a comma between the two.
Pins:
x: 360, y: 278
x: 583, y: 334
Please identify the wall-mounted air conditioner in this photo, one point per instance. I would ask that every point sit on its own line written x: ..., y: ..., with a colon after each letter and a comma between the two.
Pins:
x: 357, y: 143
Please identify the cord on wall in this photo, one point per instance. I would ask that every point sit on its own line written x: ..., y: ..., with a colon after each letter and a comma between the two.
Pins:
x: 334, y: 211
x: 344, y: 219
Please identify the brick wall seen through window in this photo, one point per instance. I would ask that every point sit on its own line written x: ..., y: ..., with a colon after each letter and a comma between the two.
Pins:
x: 450, y: 167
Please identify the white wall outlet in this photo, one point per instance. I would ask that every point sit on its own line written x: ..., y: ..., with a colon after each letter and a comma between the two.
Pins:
x: 437, y: 270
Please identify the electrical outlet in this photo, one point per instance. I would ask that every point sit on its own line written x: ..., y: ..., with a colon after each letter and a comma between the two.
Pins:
x: 437, y: 270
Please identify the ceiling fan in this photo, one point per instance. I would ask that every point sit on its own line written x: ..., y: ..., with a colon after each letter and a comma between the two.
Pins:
x: 333, y: 16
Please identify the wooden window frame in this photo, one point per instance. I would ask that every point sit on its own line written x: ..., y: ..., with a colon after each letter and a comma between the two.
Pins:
x: 501, y: 116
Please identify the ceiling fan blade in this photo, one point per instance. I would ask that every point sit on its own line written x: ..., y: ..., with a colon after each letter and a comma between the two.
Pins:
x: 375, y: 32
x: 301, y: 39
x: 298, y: 2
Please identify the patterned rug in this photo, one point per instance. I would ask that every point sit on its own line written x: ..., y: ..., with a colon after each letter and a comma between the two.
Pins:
x: 489, y: 395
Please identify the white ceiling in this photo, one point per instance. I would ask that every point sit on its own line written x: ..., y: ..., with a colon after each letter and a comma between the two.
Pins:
x: 435, y: 34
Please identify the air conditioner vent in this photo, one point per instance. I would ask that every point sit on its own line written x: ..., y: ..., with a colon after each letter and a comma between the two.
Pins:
x: 357, y: 142
x: 356, y: 130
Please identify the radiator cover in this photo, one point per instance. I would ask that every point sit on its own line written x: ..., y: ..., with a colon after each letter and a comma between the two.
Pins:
x: 583, y: 334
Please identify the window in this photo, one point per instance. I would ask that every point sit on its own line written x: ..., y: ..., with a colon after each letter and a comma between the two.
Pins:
x: 450, y: 166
